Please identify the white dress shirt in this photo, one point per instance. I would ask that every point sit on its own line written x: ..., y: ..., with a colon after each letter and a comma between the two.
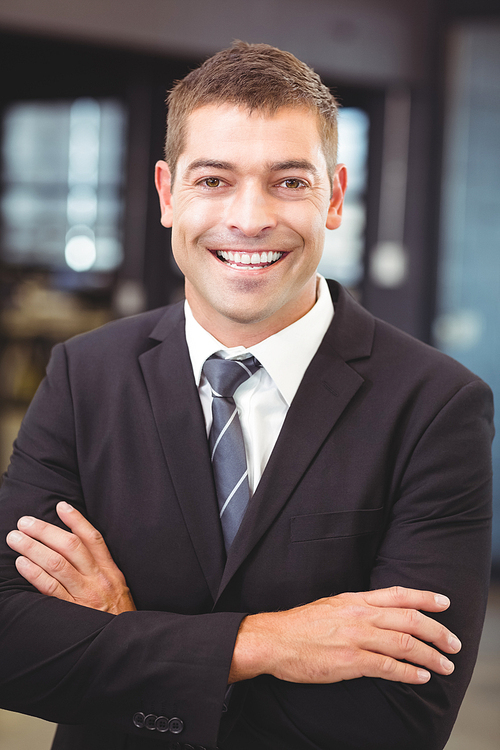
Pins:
x: 264, y: 399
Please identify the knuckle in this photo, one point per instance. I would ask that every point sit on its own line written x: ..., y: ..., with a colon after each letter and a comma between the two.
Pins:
x: 51, y: 587
x: 356, y: 611
x: 72, y: 543
x: 398, y: 593
x: 388, y: 666
x: 406, y: 643
x: 347, y: 655
x: 340, y: 597
x: 55, y: 563
x: 36, y: 572
x: 95, y: 536
x: 414, y: 618
x: 105, y: 584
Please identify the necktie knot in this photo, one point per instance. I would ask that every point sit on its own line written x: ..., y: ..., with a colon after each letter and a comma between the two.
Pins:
x: 226, y: 375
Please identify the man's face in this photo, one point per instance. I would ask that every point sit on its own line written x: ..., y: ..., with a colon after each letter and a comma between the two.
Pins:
x: 248, y: 212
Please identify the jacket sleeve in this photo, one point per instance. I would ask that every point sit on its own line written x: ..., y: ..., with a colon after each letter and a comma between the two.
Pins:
x: 437, y: 538
x: 76, y: 665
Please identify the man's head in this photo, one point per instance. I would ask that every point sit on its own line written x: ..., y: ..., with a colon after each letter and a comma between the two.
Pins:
x: 255, y: 188
x: 256, y: 77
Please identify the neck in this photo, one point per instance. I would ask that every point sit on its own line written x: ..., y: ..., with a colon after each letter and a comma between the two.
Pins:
x: 233, y: 333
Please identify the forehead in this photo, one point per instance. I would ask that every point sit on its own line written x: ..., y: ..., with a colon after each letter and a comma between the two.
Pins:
x: 214, y: 131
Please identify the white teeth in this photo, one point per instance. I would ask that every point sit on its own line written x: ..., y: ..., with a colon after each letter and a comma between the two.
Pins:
x: 254, y: 260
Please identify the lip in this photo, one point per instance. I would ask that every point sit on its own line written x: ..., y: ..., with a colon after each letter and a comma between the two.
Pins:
x: 248, y: 260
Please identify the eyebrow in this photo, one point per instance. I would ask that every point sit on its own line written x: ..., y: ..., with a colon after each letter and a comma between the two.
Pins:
x: 278, y: 166
x: 210, y: 163
x: 285, y: 166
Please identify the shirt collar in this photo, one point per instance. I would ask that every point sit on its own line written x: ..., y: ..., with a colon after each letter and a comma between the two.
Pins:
x: 285, y: 356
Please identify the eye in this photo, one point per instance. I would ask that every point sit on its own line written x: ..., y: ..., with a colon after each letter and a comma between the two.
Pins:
x: 211, y: 182
x: 293, y: 183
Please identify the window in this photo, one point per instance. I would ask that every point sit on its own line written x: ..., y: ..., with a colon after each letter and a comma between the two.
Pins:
x: 63, y: 175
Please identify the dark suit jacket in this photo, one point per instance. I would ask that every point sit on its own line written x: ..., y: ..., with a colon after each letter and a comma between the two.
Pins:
x: 380, y: 476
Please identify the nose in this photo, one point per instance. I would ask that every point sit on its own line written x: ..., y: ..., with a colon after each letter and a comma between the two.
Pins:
x: 250, y: 210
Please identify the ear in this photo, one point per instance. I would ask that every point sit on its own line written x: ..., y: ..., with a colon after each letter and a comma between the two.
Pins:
x: 334, y: 216
x: 163, y: 184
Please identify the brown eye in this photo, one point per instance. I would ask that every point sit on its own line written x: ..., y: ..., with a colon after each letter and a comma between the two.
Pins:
x: 293, y: 183
x: 212, y: 182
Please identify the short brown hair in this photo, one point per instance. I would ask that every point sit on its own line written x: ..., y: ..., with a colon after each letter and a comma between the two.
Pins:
x: 256, y: 76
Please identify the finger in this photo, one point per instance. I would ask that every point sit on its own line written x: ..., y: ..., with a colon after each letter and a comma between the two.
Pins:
x: 399, y: 596
x: 402, y: 646
x: 414, y: 623
x: 387, y: 668
x: 55, y: 565
x: 66, y: 544
x: 410, y: 601
x: 41, y: 580
x: 90, y: 536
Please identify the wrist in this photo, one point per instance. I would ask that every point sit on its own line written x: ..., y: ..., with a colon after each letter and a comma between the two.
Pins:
x: 253, y: 651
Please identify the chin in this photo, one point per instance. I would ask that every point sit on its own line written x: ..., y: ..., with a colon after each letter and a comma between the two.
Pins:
x: 239, y: 317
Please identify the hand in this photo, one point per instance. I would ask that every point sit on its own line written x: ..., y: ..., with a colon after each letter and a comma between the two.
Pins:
x: 370, y: 634
x: 74, y: 566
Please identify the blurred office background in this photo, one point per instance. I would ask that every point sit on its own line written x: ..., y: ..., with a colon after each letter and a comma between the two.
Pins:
x: 82, y: 124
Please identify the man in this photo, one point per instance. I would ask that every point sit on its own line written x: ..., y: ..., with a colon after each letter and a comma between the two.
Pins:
x: 367, y: 471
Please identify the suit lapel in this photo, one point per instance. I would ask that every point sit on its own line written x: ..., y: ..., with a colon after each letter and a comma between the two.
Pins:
x: 179, y: 419
x: 328, y: 386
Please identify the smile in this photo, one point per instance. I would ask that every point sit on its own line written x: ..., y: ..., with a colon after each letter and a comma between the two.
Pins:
x: 249, y: 260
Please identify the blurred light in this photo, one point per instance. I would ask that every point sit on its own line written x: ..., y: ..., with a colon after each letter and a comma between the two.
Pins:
x: 80, y: 253
x: 81, y: 205
x: 109, y: 253
x: 460, y: 330
x: 84, y: 136
x: 129, y: 297
x: 389, y: 265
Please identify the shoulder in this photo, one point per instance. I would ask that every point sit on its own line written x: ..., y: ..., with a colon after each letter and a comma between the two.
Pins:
x: 404, y: 352
x: 384, y: 354
x: 127, y: 336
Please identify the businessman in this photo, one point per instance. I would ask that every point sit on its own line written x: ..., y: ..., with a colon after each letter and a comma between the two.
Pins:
x: 262, y: 487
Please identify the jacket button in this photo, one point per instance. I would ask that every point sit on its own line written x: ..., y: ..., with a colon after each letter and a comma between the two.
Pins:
x: 175, y: 725
x: 138, y: 719
x: 161, y: 724
x: 150, y: 721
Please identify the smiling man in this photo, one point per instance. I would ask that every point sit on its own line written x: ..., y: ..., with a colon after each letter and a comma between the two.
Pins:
x: 271, y: 496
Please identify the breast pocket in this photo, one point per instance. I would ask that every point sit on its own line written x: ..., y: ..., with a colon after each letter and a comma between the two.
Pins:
x: 334, y: 525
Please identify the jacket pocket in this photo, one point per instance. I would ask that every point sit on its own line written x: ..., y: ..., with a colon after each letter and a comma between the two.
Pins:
x: 341, y: 523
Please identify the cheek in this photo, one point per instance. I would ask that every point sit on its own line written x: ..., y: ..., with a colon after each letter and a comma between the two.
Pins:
x: 308, y: 221
x: 186, y: 230
x: 191, y: 217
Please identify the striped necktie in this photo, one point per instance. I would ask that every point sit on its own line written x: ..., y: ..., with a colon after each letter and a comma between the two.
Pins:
x: 227, y: 448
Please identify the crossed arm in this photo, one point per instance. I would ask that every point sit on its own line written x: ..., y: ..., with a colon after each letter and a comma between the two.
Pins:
x: 380, y: 633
